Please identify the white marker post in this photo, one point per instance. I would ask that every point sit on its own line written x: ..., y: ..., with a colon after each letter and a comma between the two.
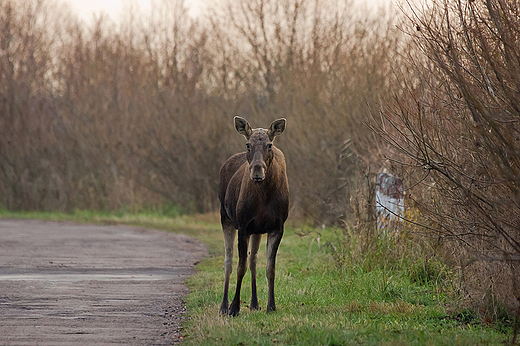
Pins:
x: 389, y: 203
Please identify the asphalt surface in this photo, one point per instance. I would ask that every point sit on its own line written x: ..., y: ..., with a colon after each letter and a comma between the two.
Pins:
x: 75, y: 284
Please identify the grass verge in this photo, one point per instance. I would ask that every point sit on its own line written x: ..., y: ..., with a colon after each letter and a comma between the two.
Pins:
x: 322, y: 298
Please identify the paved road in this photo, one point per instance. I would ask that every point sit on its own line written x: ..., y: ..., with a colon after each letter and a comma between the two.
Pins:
x: 70, y: 284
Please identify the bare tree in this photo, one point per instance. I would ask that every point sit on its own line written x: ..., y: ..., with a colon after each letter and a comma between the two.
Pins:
x: 136, y: 113
x: 456, y: 130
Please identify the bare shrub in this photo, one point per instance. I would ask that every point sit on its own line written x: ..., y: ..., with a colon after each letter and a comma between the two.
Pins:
x: 456, y: 132
x: 29, y: 176
x: 103, y: 116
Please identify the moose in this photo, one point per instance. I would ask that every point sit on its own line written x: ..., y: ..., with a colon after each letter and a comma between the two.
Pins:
x: 254, y: 199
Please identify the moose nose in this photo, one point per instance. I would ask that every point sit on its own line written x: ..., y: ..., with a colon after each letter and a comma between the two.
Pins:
x: 257, y: 172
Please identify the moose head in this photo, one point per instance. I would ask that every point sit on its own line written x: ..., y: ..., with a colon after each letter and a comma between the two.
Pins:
x: 259, y: 145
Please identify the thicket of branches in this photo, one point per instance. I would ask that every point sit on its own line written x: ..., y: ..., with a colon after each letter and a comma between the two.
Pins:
x: 456, y: 130
x: 103, y: 116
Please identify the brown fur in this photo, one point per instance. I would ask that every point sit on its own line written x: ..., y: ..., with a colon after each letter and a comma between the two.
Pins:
x: 254, y: 197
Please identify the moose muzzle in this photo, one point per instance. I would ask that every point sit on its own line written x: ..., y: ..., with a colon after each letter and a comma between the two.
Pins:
x: 257, y: 170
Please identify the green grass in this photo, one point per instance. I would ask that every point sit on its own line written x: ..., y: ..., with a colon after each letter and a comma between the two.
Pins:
x: 321, y: 303
x: 327, y: 292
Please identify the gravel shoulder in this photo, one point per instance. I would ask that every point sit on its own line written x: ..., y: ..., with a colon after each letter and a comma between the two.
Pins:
x: 72, y: 284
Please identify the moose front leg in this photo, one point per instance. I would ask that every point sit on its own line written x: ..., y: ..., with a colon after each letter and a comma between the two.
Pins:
x: 273, y: 241
x: 255, y: 244
x: 229, y: 239
x: 243, y: 241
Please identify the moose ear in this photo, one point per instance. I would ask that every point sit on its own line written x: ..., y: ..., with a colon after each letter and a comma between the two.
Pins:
x: 243, y: 127
x: 276, y: 128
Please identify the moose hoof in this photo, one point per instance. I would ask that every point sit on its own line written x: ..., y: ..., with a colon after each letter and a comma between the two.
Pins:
x: 223, y: 310
x: 233, y: 311
x: 254, y: 306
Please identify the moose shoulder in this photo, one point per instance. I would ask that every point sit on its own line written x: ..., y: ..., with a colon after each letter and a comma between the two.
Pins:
x: 254, y: 199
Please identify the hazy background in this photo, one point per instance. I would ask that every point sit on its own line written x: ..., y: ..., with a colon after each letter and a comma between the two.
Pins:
x: 133, y: 111
x: 115, y: 8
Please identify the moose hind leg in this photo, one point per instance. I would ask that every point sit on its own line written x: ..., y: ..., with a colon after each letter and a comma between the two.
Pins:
x: 273, y: 241
x: 229, y: 239
x: 255, y: 244
x: 243, y: 241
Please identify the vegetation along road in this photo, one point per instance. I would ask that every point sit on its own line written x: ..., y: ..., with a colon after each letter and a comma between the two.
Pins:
x: 66, y: 283
x: 123, y: 284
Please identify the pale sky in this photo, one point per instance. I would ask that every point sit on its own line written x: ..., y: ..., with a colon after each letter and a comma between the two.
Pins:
x: 114, y: 8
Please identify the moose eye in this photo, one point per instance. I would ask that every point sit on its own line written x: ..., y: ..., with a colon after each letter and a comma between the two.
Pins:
x: 269, y: 146
x: 248, y: 146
